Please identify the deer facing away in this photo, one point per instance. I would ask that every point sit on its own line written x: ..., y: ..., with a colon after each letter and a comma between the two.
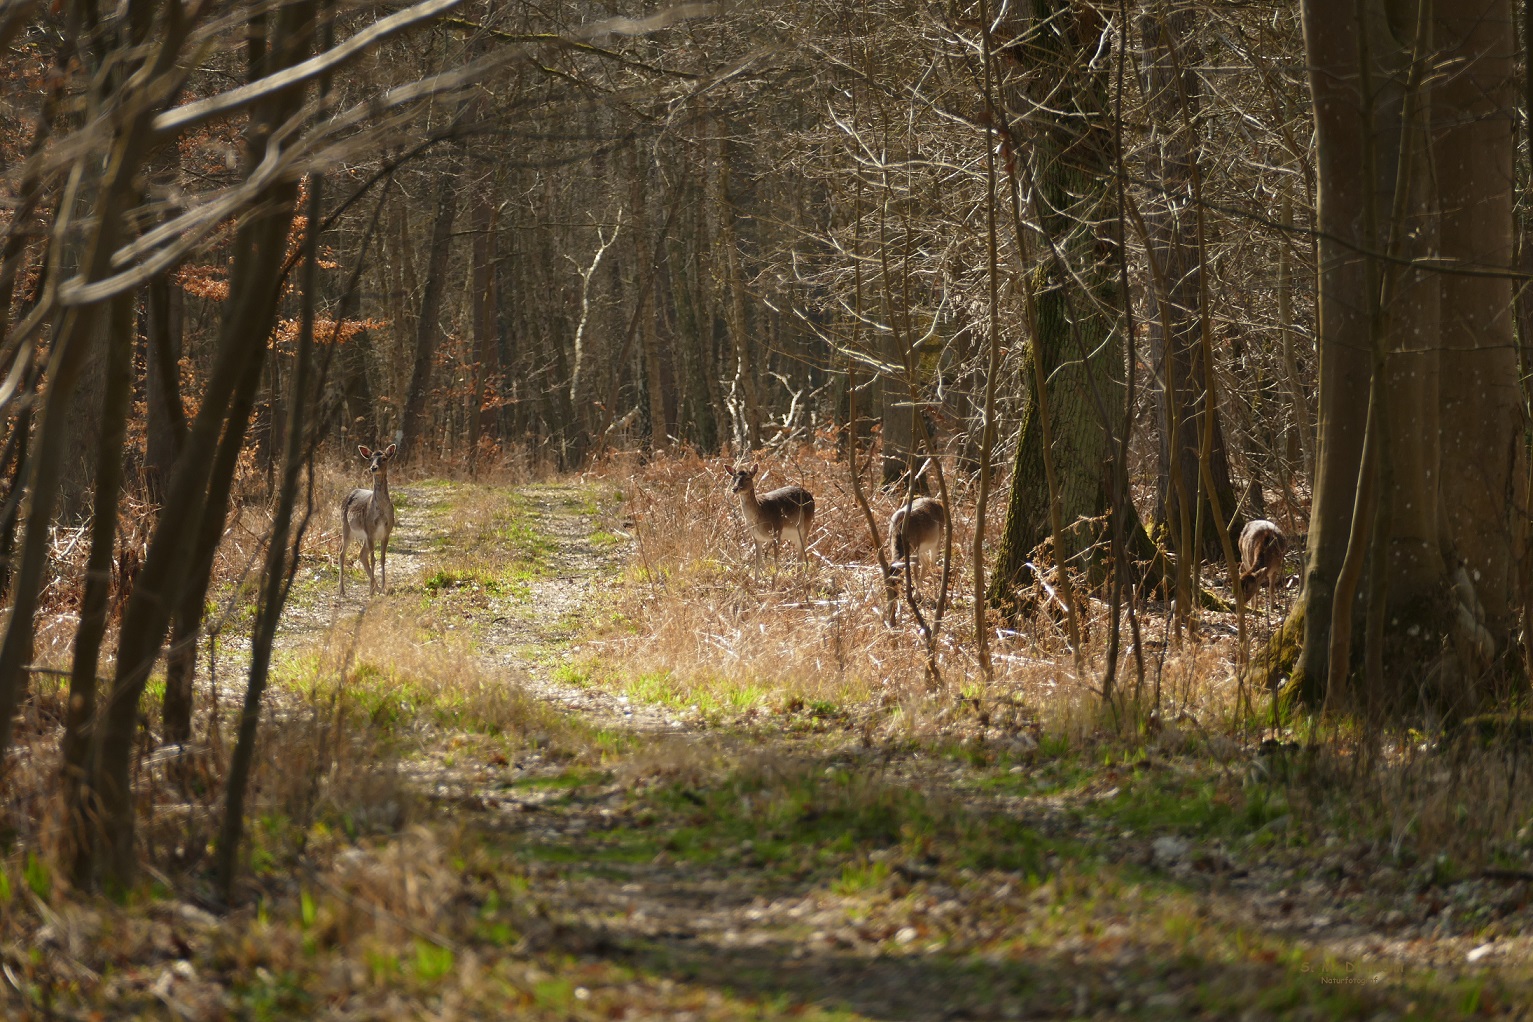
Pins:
x: 915, y: 534
x: 1262, y: 546
x: 788, y: 510
x: 368, y: 515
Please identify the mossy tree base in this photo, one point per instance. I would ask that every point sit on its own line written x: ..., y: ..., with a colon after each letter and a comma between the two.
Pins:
x: 1275, y: 667
x: 1425, y: 674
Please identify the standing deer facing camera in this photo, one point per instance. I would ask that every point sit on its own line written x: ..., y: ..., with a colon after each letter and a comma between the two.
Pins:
x: 1262, y: 546
x: 369, y: 516
x: 788, y: 509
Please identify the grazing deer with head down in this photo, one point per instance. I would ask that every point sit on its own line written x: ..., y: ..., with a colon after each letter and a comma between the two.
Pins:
x: 369, y: 516
x: 788, y: 509
x: 916, y: 533
x: 1262, y: 546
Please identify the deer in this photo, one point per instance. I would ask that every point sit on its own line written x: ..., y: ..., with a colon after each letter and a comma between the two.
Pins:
x: 916, y: 533
x: 1262, y: 546
x: 369, y: 516
x: 788, y: 509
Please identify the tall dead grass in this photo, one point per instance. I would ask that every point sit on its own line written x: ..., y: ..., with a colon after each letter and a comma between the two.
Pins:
x: 348, y: 709
x: 707, y: 627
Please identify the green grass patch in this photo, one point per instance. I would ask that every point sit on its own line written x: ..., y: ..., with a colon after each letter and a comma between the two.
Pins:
x: 713, y: 697
x: 861, y: 877
x: 574, y: 674
x: 528, y: 548
x: 471, y: 579
x: 807, y: 820
x: 1190, y: 804
x: 1192, y: 799
x: 566, y: 779
x: 394, y: 700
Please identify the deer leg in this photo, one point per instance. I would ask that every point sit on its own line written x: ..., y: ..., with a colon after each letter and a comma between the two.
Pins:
x: 344, y: 538
x: 367, y: 562
x: 383, y: 563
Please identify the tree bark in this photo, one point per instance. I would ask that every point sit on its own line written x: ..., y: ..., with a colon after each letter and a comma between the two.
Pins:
x: 201, y: 481
x: 745, y: 371
x: 118, y: 392
x: 166, y: 415
x: 1426, y: 573
x: 1077, y: 344
x: 10, y: 511
x: 1483, y: 477
x: 427, y: 326
x: 1179, y: 385
x: 644, y: 277
x: 484, y: 304
x: 85, y: 428
x: 361, y: 407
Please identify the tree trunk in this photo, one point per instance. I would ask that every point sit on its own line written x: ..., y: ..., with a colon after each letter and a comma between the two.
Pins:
x: 87, y: 398
x: 360, y: 424
x: 1175, y: 322
x: 166, y: 414
x: 897, y: 416
x: 484, y: 304
x: 427, y: 327
x: 1482, y: 478
x: 645, y: 252
x: 733, y: 287
x: 400, y: 278
x: 1415, y: 522
x: 1077, y: 343
x: 118, y: 393
x: 10, y: 511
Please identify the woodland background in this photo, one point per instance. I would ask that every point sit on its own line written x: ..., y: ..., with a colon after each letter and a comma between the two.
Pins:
x: 1113, y: 279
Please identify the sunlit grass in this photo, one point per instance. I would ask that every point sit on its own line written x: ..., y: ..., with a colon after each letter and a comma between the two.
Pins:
x: 704, y: 626
x: 398, y: 675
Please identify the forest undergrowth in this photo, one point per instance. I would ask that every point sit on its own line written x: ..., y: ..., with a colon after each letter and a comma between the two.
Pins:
x: 588, y: 759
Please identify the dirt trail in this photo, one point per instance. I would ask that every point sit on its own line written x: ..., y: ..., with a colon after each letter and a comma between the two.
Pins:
x: 728, y: 923
x: 580, y: 569
x: 729, y: 920
x: 523, y: 636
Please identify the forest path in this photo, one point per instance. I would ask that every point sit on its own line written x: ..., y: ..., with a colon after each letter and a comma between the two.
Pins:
x: 552, y: 531
x: 623, y: 886
x: 532, y: 555
x: 789, y: 868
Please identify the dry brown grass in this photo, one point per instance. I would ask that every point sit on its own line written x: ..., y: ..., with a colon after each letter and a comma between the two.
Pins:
x: 358, y: 899
x: 346, y: 709
x: 706, y: 627
x: 402, y: 671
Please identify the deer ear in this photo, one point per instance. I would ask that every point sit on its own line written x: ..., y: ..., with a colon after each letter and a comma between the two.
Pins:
x: 364, y: 452
x: 388, y: 452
